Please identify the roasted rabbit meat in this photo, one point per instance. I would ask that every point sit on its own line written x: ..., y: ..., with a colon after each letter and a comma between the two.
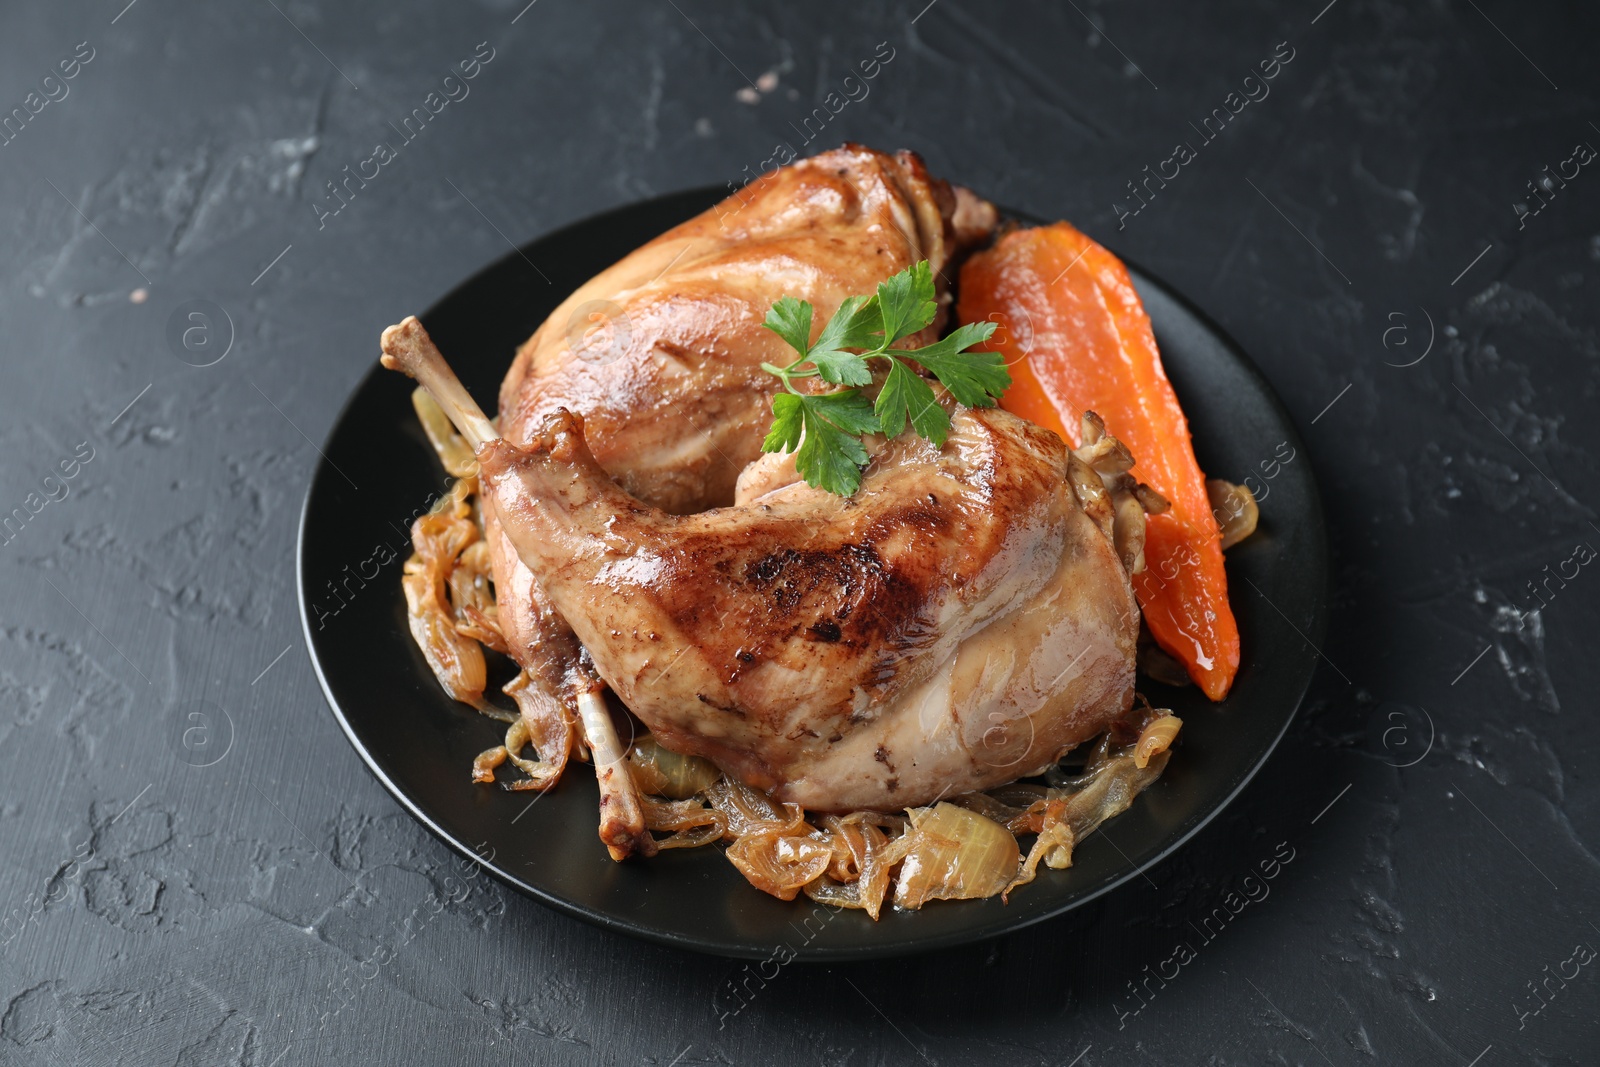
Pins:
x: 837, y: 652
x: 888, y: 656
x: 661, y: 353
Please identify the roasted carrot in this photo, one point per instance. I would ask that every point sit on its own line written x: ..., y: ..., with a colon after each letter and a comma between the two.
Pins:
x: 1076, y: 337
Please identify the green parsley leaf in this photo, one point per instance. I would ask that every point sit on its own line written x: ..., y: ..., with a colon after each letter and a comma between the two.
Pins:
x: 906, y: 301
x: 788, y: 420
x: 857, y: 324
x: 906, y: 393
x: 830, y: 459
x: 854, y: 325
x: 824, y: 429
x: 976, y: 379
x: 846, y: 409
x: 842, y: 368
x: 831, y: 454
x: 790, y: 319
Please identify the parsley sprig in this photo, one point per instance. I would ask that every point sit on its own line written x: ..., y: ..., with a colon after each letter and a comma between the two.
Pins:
x: 827, y: 427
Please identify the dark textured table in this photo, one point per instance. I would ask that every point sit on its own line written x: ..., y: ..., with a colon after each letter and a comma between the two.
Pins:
x: 1400, y: 225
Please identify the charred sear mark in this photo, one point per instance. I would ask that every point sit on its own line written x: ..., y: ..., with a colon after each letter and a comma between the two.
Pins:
x: 789, y: 578
x: 789, y: 575
x: 845, y: 594
x: 826, y: 631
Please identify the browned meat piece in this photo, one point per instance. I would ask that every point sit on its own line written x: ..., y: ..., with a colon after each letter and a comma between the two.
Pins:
x: 669, y: 381
x: 669, y: 385
x: 958, y: 623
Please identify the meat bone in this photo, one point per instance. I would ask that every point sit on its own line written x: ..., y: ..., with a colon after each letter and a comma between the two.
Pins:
x: 408, y: 348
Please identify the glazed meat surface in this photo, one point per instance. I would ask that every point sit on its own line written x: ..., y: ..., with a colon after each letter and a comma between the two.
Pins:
x: 661, y: 353
x: 957, y: 624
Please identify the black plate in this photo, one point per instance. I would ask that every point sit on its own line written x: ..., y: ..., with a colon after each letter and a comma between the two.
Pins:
x: 419, y: 743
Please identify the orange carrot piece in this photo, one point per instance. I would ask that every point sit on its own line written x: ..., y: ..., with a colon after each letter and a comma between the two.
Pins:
x: 1076, y: 336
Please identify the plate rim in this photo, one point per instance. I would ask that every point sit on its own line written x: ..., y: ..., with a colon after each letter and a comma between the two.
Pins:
x: 707, y: 945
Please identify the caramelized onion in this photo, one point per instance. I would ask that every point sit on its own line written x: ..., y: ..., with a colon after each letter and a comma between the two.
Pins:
x: 690, y: 822
x: 963, y: 849
x: 1156, y: 738
x: 778, y: 863
x: 472, y: 597
x: 882, y: 856
x: 666, y: 773
x: 1106, y: 791
x: 849, y: 846
x: 990, y: 807
x: 956, y: 854
x: 1053, y: 845
x: 751, y: 811
x: 440, y: 537
x: 864, y: 881
x: 484, y: 764
x: 456, y: 661
x: 548, y: 725
x: 541, y: 773
x: 826, y: 890
x: 1235, y: 509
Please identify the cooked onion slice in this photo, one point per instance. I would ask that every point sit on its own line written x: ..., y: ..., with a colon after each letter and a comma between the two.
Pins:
x: 1053, y: 845
x: 472, y: 597
x: 666, y: 773
x: 484, y: 764
x: 862, y: 880
x: 751, y: 811
x: 690, y: 822
x: 1235, y: 508
x: 956, y: 854
x: 542, y: 772
x: 778, y: 863
x: 1156, y: 738
x: 550, y: 728
x: 456, y: 661
x: 440, y: 537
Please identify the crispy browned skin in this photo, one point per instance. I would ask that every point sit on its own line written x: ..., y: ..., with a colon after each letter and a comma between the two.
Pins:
x: 661, y: 352
x: 845, y: 653
x: 668, y: 375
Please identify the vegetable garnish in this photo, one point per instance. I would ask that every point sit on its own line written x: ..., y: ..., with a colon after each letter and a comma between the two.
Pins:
x: 827, y: 427
x: 1087, y: 343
